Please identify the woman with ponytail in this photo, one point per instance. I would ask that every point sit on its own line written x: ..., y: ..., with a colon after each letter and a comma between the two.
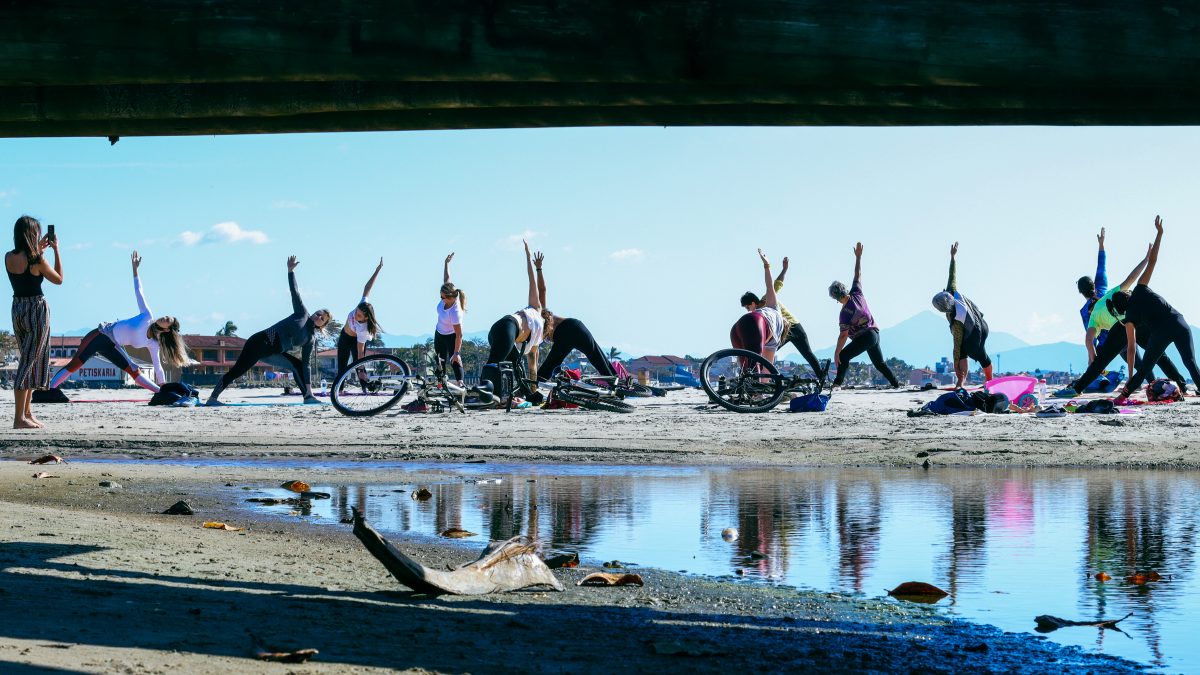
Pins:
x: 447, y: 339
x: 159, y: 336
x: 360, y: 328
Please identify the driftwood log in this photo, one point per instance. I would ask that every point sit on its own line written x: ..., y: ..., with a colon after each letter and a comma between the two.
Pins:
x: 1048, y: 624
x: 503, y: 566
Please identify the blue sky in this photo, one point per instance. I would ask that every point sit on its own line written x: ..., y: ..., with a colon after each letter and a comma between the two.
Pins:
x: 649, y: 232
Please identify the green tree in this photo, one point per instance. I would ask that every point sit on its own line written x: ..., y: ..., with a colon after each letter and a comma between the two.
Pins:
x: 230, y: 330
x: 8, y: 343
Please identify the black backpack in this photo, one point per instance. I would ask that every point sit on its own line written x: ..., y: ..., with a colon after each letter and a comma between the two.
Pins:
x: 989, y: 403
x: 172, y: 393
x: 49, y: 396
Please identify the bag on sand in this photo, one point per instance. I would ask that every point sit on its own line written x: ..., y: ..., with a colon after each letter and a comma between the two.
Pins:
x: 49, y: 396
x: 175, y: 393
x: 989, y: 403
x: 953, y: 403
x: 809, y: 403
x: 1162, y: 390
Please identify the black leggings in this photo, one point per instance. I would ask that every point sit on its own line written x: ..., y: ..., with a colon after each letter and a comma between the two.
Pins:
x: 96, y: 342
x: 799, y: 338
x: 1163, y: 335
x: 347, y: 353
x: 259, y: 348
x: 569, y: 335
x: 1113, y: 348
x: 443, y: 346
x: 502, y: 346
x: 974, y: 345
x: 867, y: 341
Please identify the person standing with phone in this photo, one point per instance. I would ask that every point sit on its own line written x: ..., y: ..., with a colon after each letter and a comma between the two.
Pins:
x: 27, y: 267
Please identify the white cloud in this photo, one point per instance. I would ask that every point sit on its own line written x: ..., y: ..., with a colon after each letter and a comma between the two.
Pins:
x: 223, y: 233
x: 289, y: 204
x: 513, y: 241
x: 81, y: 246
x: 627, y: 255
x: 5, y: 194
x: 1048, y: 328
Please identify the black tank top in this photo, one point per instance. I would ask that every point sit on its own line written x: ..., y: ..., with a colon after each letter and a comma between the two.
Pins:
x: 26, y: 284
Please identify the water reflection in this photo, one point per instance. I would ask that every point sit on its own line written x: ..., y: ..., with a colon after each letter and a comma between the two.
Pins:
x: 1007, y: 545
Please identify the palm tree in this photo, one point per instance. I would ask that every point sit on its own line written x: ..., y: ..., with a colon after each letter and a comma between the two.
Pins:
x: 230, y: 330
x: 614, y: 354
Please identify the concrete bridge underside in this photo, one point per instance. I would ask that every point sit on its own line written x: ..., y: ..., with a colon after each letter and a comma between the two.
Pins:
x: 178, y: 67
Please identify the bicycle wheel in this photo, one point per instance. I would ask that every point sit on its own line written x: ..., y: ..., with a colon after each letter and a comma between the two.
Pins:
x: 741, y: 381
x: 370, y: 385
x: 591, y: 401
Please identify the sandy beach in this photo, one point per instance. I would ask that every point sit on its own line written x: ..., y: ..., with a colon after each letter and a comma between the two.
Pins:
x: 860, y: 428
x: 105, y: 583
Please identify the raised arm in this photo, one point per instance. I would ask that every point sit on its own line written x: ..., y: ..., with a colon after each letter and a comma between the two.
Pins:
x: 52, y: 273
x: 769, y: 298
x: 952, y: 281
x: 1101, y: 266
x: 445, y: 268
x: 136, y: 261
x: 858, y: 249
x: 297, y: 304
x: 371, y: 281
x: 539, y: 259
x: 782, y: 274
x: 1137, y: 270
x: 1152, y: 257
x: 534, y: 300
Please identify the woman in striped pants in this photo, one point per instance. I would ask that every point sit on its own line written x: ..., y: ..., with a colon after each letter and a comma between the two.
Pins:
x: 27, y: 267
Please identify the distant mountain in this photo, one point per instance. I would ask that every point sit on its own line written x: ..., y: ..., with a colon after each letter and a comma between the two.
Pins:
x: 921, y: 340
x: 924, y: 339
x: 411, y: 340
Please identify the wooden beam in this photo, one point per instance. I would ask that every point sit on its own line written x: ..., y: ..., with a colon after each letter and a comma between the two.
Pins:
x: 130, y: 67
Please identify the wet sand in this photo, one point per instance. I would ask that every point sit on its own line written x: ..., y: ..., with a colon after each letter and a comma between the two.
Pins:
x: 860, y: 428
x: 94, y: 579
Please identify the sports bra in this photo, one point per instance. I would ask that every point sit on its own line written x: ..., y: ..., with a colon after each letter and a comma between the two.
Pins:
x: 25, y: 284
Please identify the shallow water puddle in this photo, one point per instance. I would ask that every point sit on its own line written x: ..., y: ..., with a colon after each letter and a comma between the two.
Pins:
x: 1007, y: 545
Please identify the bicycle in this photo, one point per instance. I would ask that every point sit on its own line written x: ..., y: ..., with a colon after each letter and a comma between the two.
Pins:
x: 745, y: 382
x: 371, y: 385
x: 586, y: 395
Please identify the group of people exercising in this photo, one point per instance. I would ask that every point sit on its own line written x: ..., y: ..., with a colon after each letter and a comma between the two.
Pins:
x: 767, y: 325
x: 1117, y: 320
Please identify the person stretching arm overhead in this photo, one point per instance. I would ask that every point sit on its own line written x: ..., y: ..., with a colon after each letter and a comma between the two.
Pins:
x: 448, y: 335
x: 857, y: 330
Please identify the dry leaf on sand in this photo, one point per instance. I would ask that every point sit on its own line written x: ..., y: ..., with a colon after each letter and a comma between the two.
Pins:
x: 607, y: 579
x: 918, y: 591
x: 213, y: 525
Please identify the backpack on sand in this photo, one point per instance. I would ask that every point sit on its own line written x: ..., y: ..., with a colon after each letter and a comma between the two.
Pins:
x: 176, y: 394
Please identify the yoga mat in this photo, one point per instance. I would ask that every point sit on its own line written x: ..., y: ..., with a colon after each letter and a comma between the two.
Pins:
x: 255, y: 405
x: 111, y: 400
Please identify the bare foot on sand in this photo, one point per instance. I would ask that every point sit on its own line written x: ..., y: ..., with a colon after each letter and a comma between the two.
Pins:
x: 26, y: 424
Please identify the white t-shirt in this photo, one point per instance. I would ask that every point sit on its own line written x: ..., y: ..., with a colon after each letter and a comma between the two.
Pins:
x: 448, y: 317
x: 775, y: 321
x: 358, y: 327
x: 132, y: 331
x: 537, y: 325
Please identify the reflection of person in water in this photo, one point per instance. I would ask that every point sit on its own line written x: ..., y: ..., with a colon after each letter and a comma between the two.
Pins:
x: 858, y: 527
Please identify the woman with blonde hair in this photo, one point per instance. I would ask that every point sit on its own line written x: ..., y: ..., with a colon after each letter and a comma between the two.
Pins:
x: 159, y: 336
x: 448, y: 336
x: 360, y: 328
x: 27, y: 267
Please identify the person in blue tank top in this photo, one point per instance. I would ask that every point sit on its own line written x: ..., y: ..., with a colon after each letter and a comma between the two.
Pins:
x: 1092, y: 290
